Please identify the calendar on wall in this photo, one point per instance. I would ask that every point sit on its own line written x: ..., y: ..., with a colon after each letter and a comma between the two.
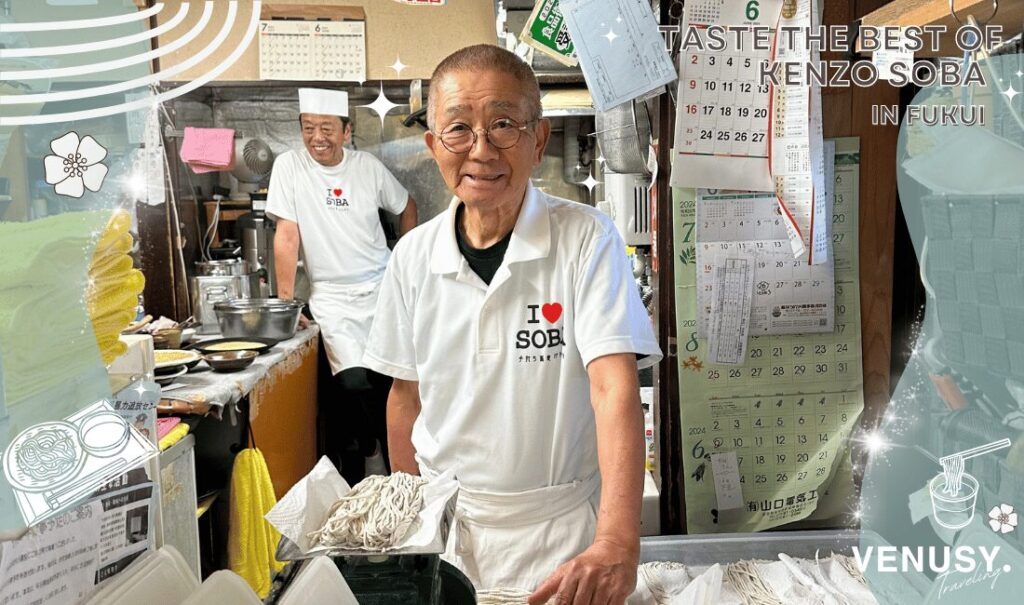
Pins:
x: 787, y: 411
x: 789, y: 295
x: 313, y: 50
x: 722, y: 121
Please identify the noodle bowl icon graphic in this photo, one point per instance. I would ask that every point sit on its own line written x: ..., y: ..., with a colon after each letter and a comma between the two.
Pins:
x: 53, y: 464
x: 954, y: 492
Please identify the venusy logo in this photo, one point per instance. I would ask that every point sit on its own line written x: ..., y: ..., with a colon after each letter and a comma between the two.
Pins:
x: 901, y: 559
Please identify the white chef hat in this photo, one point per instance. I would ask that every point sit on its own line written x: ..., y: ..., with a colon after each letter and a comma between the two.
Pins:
x: 321, y: 101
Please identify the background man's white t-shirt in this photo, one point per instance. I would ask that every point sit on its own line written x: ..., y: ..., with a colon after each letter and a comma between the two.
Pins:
x: 336, y: 210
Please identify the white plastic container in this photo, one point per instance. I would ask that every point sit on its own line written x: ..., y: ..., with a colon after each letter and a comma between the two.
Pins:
x: 319, y: 583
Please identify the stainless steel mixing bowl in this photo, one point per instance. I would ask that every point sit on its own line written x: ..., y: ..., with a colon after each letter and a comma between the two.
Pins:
x: 260, y: 317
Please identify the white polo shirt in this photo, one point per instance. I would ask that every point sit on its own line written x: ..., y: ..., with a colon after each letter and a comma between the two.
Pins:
x: 336, y: 210
x: 502, y: 368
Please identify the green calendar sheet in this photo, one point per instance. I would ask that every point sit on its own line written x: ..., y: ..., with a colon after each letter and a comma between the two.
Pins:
x: 776, y: 427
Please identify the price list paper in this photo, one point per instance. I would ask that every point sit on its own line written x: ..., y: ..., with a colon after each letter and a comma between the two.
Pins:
x: 313, y: 50
x: 788, y: 410
x: 722, y: 113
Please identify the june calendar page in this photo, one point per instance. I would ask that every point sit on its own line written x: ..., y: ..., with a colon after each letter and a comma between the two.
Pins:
x: 722, y: 108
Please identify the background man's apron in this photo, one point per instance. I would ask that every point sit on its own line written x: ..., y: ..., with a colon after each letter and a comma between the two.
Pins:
x: 518, y: 539
x: 345, y: 313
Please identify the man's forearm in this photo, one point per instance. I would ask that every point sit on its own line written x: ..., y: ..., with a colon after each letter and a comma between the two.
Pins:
x: 620, y: 447
x: 403, y: 409
x: 286, y: 258
x: 407, y: 220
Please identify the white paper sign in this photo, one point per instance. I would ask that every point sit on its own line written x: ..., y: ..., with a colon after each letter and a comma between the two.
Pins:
x: 619, y: 47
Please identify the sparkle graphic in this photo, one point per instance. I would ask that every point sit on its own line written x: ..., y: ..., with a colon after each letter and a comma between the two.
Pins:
x: 1011, y: 93
x: 600, y: 159
x: 141, y: 390
x: 381, y: 106
x: 611, y: 35
x: 618, y: 19
x: 398, y: 66
x: 1020, y: 73
x: 590, y: 183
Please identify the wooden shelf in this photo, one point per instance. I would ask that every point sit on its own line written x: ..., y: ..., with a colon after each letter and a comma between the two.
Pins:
x: 904, y: 13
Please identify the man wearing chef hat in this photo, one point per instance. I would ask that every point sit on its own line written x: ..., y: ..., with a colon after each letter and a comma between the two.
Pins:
x: 326, y: 200
x: 513, y: 328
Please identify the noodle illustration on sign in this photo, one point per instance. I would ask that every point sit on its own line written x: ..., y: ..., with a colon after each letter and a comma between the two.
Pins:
x: 52, y: 465
x: 954, y: 492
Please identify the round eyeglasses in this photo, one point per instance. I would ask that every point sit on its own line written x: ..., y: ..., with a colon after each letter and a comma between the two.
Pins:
x: 501, y: 134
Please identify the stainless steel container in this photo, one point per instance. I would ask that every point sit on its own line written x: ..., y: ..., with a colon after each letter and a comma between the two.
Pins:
x: 208, y: 290
x: 222, y: 268
x: 262, y: 317
x: 258, y: 250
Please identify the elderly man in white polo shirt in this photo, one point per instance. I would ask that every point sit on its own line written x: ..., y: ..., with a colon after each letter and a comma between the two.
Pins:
x: 513, y: 328
x: 326, y: 200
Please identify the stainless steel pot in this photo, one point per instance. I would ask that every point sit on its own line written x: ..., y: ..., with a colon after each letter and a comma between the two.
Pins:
x: 222, y: 268
x: 258, y: 317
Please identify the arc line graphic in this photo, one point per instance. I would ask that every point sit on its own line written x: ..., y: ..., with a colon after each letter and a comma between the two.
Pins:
x: 146, y: 103
x: 43, y: 26
x: 117, y: 63
x: 97, y: 91
x: 92, y: 68
x: 74, y: 49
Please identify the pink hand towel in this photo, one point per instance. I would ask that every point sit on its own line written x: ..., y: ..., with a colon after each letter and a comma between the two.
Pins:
x: 208, y: 149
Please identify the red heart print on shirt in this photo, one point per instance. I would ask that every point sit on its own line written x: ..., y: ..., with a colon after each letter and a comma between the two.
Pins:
x: 551, y: 312
x: 337, y: 192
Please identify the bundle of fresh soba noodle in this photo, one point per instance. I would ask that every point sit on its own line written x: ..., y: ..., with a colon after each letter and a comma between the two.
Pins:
x: 788, y: 581
x: 376, y: 515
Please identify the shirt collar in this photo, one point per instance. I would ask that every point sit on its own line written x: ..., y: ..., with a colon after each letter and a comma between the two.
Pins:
x: 531, y: 235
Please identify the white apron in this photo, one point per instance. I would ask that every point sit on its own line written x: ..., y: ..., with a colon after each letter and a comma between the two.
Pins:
x: 518, y: 539
x: 345, y: 313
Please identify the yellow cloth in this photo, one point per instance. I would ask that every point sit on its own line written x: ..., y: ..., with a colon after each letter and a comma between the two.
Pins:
x: 173, y: 436
x: 251, y: 539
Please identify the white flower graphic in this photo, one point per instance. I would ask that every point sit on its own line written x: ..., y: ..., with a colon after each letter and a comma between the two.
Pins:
x: 76, y: 165
x: 1002, y: 519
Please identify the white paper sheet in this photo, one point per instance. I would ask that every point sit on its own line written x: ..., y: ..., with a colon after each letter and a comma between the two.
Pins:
x: 731, y: 294
x: 789, y: 296
x: 304, y: 509
x: 619, y: 47
x: 796, y: 146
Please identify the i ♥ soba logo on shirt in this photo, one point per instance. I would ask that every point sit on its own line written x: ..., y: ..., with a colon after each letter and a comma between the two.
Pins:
x: 544, y: 329
x: 335, y: 198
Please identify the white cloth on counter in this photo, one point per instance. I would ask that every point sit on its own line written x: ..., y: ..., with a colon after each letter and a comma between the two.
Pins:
x: 502, y: 369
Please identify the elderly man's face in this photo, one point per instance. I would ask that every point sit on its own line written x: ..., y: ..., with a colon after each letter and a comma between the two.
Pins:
x: 484, y: 176
x: 324, y: 137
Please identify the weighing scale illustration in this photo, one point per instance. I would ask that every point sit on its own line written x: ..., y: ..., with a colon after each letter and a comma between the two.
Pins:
x: 52, y: 465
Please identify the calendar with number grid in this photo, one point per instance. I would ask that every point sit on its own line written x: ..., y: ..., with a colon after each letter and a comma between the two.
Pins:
x: 788, y: 411
x: 722, y: 120
x: 313, y: 50
x: 790, y: 296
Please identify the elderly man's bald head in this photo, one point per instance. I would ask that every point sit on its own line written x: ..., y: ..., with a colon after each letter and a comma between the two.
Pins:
x: 486, y: 57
